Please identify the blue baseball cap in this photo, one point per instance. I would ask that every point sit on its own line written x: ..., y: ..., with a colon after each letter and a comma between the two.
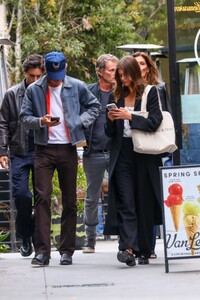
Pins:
x: 55, y: 64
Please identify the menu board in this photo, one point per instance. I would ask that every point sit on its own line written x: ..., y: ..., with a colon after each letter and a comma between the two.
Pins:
x: 181, y: 211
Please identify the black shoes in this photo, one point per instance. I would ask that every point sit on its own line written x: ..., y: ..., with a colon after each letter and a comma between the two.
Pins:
x: 142, y: 260
x: 40, y: 260
x: 65, y: 259
x: 153, y: 255
x: 26, y: 248
x: 43, y: 260
x: 126, y: 257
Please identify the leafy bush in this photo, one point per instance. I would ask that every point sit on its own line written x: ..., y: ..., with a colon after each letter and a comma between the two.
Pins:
x: 3, y: 236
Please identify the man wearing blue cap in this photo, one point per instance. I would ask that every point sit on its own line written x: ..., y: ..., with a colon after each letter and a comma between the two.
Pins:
x: 58, y: 108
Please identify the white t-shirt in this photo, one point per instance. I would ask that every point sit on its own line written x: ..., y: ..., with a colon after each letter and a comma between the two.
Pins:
x: 127, y: 128
x: 58, y: 133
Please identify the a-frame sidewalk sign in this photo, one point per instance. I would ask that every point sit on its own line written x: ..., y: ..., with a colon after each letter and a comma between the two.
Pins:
x: 180, y: 187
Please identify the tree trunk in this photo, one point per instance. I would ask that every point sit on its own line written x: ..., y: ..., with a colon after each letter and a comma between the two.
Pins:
x: 3, y: 22
x: 18, y: 41
x: 61, y: 5
x: 37, y: 9
x: 4, y: 81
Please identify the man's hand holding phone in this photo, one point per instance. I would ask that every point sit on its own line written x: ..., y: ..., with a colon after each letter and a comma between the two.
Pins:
x: 57, y: 119
x: 50, y: 121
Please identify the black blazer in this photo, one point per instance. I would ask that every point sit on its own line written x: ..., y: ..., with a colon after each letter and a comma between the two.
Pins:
x: 150, y: 124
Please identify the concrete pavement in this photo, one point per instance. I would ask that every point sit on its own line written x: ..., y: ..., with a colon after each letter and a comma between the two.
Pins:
x: 98, y: 276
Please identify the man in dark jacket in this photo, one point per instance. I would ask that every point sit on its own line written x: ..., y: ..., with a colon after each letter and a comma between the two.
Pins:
x: 17, y: 143
x: 96, y: 154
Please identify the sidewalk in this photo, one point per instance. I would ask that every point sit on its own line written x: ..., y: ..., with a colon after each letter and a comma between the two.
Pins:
x: 99, y: 276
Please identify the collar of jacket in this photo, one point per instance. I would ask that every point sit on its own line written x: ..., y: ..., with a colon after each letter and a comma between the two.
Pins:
x: 94, y: 89
x: 22, y: 87
x: 22, y: 84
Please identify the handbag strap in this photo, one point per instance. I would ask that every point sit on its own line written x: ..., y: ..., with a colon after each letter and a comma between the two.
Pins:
x: 144, y: 98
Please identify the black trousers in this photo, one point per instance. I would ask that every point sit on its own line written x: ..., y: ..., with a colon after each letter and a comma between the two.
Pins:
x: 47, y: 159
x: 137, y: 195
x: 124, y: 179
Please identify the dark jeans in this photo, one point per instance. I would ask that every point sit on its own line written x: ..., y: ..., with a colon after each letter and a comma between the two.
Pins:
x: 47, y: 159
x: 21, y: 170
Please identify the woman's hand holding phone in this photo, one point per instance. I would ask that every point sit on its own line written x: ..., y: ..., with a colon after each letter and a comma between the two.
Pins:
x: 118, y: 113
x: 111, y: 106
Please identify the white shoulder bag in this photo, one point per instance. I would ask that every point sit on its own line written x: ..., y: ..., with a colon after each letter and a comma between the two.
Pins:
x: 158, y: 142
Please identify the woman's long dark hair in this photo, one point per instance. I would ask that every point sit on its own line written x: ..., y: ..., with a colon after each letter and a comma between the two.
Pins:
x: 131, y: 69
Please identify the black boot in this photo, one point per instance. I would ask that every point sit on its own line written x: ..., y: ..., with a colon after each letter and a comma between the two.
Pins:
x: 26, y: 248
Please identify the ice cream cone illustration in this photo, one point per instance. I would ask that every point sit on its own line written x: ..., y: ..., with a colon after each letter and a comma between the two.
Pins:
x: 174, y: 202
x: 198, y: 187
x: 176, y: 213
x: 191, y: 222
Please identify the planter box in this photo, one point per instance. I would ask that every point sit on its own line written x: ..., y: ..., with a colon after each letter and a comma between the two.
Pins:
x: 55, y: 231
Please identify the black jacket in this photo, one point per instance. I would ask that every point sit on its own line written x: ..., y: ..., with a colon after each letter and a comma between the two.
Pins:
x: 13, y: 136
x: 94, y: 89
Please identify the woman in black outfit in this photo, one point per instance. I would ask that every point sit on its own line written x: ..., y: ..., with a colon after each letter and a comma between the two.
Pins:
x: 134, y: 204
x: 150, y: 75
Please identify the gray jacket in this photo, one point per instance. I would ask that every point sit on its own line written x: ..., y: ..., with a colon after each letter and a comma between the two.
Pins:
x: 80, y: 107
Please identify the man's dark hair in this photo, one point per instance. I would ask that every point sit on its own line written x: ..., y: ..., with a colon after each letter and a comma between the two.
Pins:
x: 33, y: 61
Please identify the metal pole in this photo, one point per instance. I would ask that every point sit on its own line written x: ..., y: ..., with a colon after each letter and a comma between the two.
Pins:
x: 174, y: 78
x: 5, y: 68
x: 1, y: 76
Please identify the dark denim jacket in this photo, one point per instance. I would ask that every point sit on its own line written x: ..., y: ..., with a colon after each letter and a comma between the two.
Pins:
x: 74, y: 96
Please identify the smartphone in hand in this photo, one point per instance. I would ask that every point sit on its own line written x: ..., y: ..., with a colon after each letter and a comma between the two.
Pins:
x: 57, y: 119
x: 111, y: 106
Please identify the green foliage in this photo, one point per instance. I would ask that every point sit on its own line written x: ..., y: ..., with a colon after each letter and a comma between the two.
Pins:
x: 4, y: 234
x: 81, y: 179
x: 55, y: 231
x: 80, y: 207
x: 83, y: 30
x: 4, y: 248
